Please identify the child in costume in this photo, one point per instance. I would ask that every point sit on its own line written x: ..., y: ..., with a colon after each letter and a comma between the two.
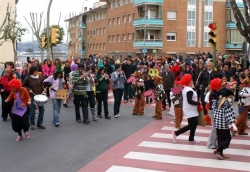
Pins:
x: 207, y: 117
x: 160, y: 92
x: 139, y: 96
x: 177, y: 104
x: 20, y: 119
x: 176, y: 70
x: 149, y: 84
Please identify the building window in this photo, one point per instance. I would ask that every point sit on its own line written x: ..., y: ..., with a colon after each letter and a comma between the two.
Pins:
x: 125, y: 2
x: 110, y: 22
x: 113, y: 38
x: 190, y: 38
x: 118, y: 38
x: 100, y: 46
x: 129, y: 18
x: 133, y: 16
x: 208, y: 18
x: 206, y: 37
x: 93, y: 32
x: 191, y: 18
x: 129, y: 36
x: 104, y: 30
x: 100, y: 31
x: 113, y: 21
x: 191, y: 2
x: 118, y: 20
x: 208, y: 2
x: 124, y: 37
x: 93, y: 46
x: 97, y: 31
x: 118, y: 3
x: 110, y: 5
x: 88, y: 33
x: 133, y: 36
x: 171, y: 36
x: 234, y: 37
x: 104, y: 46
x: 114, y: 4
x: 124, y: 19
x: 90, y: 46
x: 97, y: 47
x: 109, y: 38
x: 171, y: 15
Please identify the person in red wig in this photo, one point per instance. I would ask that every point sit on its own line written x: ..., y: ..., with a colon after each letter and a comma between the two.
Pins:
x: 215, y: 86
x: 20, y: 119
x: 190, y: 104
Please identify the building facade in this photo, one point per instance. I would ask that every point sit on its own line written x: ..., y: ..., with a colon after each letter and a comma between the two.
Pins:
x: 6, y: 50
x: 158, y: 27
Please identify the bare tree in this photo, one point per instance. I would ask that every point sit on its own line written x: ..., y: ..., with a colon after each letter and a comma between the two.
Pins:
x: 36, y: 29
x: 5, y: 22
x: 69, y: 27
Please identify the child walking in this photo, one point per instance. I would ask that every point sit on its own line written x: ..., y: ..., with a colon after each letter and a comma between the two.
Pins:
x: 19, y: 118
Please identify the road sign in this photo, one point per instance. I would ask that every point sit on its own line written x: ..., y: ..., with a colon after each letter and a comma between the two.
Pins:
x: 144, y: 50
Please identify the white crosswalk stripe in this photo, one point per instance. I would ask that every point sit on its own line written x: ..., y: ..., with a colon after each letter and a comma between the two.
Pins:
x: 198, y: 162
x: 115, y: 168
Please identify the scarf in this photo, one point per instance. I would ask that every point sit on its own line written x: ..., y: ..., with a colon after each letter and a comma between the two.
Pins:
x: 34, y: 77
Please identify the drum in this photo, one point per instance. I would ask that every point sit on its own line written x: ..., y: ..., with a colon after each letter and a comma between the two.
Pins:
x: 40, y: 100
x: 61, y: 94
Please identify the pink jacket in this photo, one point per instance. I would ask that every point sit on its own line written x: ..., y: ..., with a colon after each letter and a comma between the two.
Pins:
x: 48, y: 71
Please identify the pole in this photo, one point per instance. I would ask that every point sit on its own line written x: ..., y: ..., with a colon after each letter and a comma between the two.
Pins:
x: 214, y: 55
x: 246, y: 55
x: 81, y: 28
x: 33, y: 44
x: 144, y: 31
x: 48, y: 44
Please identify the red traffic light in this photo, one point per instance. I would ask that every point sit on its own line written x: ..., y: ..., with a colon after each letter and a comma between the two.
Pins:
x: 212, y: 26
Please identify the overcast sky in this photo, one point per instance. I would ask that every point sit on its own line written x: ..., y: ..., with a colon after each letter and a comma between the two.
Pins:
x: 24, y: 7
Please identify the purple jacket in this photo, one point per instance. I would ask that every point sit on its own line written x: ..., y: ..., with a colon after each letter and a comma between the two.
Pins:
x: 55, y: 84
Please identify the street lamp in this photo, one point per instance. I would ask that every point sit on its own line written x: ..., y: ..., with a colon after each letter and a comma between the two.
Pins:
x: 81, y: 26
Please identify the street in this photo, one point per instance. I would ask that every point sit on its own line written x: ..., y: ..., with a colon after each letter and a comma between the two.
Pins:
x: 129, y: 143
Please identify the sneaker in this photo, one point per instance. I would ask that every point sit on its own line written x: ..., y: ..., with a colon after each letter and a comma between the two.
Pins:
x: 174, y: 136
x: 225, y: 157
x: 4, y: 120
x: 134, y: 114
x: 57, y: 124
x: 86, y: 122
x: 32, y: 127
x: 131, y: 100
x: 65, y: 105
x: 243, y: 134
x: 99, y: 116
x: 41, y: 126
x: 107, y: 117
x: 79, y: 120
x: 125, y: 101
x: 116, y: 116
x: 19, y: 138
x: 194, y: 141
x: 219, y: 156
x: 27, y: 135
x: 95, y: 119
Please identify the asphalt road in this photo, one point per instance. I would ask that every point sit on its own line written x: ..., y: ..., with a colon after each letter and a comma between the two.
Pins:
x: 69, y: 147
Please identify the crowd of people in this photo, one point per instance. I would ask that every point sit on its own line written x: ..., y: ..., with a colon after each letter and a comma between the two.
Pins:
x: 174, y: 83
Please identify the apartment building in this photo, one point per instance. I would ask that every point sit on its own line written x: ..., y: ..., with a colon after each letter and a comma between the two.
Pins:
x: 6, y: 50
x: 125, y: 27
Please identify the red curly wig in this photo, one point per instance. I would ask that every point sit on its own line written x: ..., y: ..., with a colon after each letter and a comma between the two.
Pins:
x: 186, y: 80
x: 215, y: 84
x: 15, y: 83
x: 177, y: 83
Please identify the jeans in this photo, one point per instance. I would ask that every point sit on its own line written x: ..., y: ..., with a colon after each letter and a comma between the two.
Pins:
x: 91, y: 102
x: 192, y: 125
x: 211, y: 143
x: 118, y: 97
x: 84, y: 103
x: 56, y: 109
x: 128, y: 91
x: 167, y: 92
x: 32, y: 109
x: 102, y: 97
x: 6, y: 107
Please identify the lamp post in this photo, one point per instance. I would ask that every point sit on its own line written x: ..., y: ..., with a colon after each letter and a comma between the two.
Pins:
x: 144, y: 29
x: 48, y: 44
x: 81, y: 27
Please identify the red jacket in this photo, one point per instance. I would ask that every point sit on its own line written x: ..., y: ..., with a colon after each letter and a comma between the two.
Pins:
x: 4, y: 80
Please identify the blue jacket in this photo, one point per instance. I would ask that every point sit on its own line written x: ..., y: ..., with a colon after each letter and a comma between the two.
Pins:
x: 118, y: 80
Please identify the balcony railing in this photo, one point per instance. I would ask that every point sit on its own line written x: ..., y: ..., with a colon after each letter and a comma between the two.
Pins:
x: 140, y: 2
x: 154, y: 43
x: 151, y: 21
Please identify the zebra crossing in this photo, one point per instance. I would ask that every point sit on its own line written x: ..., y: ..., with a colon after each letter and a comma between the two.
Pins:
x: 151, y: 149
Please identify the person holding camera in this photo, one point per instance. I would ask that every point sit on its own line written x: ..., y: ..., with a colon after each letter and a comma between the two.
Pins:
x: 205, y: 77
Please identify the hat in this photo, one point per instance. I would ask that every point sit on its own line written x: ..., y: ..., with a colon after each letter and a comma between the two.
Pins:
x: 225, y: 92
x: 59, y: 69
x: 73, y: 67
x: 186, y: 80
x: 15, y: 83
x: 215, y: 84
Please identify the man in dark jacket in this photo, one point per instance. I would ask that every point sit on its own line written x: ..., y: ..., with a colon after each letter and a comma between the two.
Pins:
x: 168, y: 83
x: 225, y: 72
x: 128, y: 69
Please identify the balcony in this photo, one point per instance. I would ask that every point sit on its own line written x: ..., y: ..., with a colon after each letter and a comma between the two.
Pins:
x: 148, y: 22
x: 149, y: 43
x: 82, y: 52
x: 233, y: 46
x: 83, y: 25
x: 141, y: 2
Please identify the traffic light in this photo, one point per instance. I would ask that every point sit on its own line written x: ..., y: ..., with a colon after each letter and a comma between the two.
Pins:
x: 44, y: 41
x: 212, y: 34
x: 54, y: 35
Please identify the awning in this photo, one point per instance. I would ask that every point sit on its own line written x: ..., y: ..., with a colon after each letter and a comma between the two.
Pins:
x: 148, y: 28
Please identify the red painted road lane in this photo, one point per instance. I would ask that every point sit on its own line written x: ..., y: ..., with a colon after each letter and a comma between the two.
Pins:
x: 115, y: 155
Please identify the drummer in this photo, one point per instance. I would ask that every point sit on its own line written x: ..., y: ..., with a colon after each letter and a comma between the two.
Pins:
x: 56, y: 81
x: 34, y: 85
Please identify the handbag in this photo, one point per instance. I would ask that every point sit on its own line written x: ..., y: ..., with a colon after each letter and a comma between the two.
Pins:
x: 201, y: 121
